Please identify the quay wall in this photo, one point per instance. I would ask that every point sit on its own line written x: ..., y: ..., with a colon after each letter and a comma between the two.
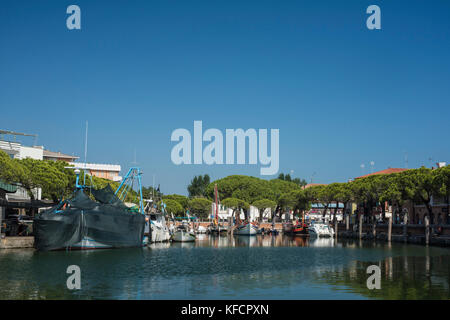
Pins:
x: 409, y: 233
x: 16, y: 242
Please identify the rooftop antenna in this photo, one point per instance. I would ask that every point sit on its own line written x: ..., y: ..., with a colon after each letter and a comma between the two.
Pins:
x: 431, y: 160
x: 314, y: 173
x: 153, y: 189
x: 406, y: 160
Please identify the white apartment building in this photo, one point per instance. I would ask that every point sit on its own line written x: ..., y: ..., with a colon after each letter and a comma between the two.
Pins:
x: 105, y: 171
x: 18, y: 151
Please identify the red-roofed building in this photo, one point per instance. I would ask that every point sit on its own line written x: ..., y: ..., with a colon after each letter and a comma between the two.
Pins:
x: 385, y: 171
x: 313, y: 185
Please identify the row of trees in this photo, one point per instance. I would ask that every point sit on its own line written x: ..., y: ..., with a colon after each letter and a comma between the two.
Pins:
x: 287, y: 177
x: 53, y: 177
x: 179, y: 205
x: 417, y: 186
x: 239, y: 192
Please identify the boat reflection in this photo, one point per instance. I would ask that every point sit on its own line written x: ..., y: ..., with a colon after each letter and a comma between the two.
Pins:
x: 322, y: 242
x: 246, y: 241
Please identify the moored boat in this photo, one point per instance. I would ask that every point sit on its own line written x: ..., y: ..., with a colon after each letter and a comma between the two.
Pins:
x: 201, y: 230
x: 183, y: 234
x: 320, y: 229
x: 246, y: 229
x: 159, y: 230
x: 81, y: 223
x: 300, y: 229
x: 297, y: 229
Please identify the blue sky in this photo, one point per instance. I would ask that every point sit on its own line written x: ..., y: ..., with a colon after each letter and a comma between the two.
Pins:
x: 341, y: 94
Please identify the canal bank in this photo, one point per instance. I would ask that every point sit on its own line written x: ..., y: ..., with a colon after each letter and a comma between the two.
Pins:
x: 16, y: 242
x: 438, y: 235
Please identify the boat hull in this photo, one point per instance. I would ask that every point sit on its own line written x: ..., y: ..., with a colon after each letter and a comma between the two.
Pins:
x: 90, y: 244
x: 159, y: 234
x: 246, y: 230
x: 183, y: 236
x: 295, y: 230
x: 321, y: 232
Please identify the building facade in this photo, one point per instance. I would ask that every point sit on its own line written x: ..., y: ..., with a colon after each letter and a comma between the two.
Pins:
x: 58, y: 156
x: 105, y: 171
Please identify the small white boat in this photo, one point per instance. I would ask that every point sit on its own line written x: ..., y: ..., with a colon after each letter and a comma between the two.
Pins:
x: 320, y: 229
x: 183, y: 234
x: 246, y: 229
x: 201, y: 230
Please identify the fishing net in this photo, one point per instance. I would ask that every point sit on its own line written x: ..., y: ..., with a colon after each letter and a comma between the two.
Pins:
x: 107, y: 221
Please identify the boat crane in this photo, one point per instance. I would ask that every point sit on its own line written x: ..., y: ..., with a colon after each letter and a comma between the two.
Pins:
x: 134, y: 173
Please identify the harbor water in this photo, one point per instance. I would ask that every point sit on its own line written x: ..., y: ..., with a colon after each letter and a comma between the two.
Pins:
x: 231, y: 267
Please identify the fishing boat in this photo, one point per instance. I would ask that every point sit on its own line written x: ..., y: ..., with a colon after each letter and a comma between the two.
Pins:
x: 183, y: 234
x: 246, y: 229
x: 297, y: 229
x: 300, y: 229
x: 83, y: 223
x: 320, y: 229
x: 159, y: 230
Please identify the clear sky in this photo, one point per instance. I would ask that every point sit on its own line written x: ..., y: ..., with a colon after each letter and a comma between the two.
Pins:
x: 341, y: 95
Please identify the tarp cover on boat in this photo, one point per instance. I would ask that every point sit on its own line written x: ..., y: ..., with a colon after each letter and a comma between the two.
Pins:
x: 108, y: 222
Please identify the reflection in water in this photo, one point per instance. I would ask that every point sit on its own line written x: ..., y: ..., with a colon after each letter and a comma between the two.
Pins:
x: 402, y: 278
x: 231, y: 267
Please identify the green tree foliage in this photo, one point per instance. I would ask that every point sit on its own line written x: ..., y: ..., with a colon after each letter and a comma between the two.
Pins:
x: 250, y: 189
x: 198, y: 185
x: 183, y: 200
x: 149, y: 193
x: 286, y: 200
x: 200, y: 207
x: 235, y: 204
x: 302, y: 202
x: 173, y: 207
x: 344, y: 194
x: 9, y: 168
x: 31, y: 174
x: 54, y: 178
x: 297, y: 181
x: 420, y: 185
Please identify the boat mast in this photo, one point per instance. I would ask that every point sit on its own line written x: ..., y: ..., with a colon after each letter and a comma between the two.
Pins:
x: 217, y: 204
x: 85, y: 153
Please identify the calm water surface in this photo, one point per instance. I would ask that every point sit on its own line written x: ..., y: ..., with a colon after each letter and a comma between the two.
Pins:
x: 239, y: 267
